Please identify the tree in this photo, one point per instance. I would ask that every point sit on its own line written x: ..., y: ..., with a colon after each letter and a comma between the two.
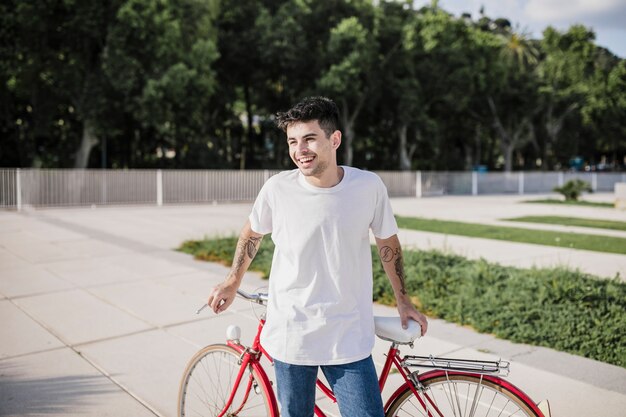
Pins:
x: 451, y: 61
x: 83, y: 73
x: 604, y: 110
x: 160, y: 64
x: 400, y: 104
x: 351, y: 58
x: 568, y: 57
x: 513, y: 101
x: 57, y: 74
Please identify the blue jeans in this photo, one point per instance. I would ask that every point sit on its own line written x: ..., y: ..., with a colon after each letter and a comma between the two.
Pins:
x: 355, y: 386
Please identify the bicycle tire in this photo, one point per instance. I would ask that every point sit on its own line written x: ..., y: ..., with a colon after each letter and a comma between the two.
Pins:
x: 462, y: 395
x: 208, y: 380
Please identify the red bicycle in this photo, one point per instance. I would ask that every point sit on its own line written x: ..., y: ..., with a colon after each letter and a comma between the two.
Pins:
x: 230, y: 380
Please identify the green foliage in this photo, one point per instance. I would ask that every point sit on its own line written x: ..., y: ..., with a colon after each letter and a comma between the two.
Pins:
x: 557, y: 308
x: 573, y: 189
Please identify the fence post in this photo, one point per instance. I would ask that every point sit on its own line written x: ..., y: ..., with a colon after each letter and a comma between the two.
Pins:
x: 520, y: 183
x: 560, y: 180
x: 18, y: 189
x: 418, y: 184
x: 159, y: 184
x: 594, y: 181
x: 474, y: 183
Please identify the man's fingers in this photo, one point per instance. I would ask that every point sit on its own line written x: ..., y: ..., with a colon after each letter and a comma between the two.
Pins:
x: 223, y: 305
x: 214, y: 301
x: 419, y: 318
x: 219, y: 305
x: 423, y: 324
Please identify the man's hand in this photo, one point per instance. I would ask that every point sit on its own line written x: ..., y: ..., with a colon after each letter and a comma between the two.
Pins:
x: 408, y: 312
x: 222, y: 296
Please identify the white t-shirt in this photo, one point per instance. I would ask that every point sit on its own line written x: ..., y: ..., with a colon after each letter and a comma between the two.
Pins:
x: 320, y: 289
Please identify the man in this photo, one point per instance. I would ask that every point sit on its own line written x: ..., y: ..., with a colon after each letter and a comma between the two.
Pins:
x: 320, y: 311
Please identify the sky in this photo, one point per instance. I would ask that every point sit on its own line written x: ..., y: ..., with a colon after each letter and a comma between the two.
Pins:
x: 607, y: 18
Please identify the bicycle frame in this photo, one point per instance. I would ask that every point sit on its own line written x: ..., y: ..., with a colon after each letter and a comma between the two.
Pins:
x: 250, y: 357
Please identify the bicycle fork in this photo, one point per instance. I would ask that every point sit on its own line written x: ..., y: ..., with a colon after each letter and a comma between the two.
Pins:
x: 244, y: 361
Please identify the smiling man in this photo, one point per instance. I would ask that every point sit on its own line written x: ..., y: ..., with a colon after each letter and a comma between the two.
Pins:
x: 320, y: 312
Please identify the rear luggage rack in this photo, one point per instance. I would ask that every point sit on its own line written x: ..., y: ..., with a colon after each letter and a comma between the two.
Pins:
x: 499, y: 367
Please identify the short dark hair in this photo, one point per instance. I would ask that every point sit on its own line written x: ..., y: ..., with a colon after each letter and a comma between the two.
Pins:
x: 322, y: 109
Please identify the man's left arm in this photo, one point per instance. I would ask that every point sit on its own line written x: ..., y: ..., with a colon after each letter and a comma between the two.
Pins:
x: 390, y: 253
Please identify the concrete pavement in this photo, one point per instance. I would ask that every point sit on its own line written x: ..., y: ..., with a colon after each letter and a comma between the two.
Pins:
x: 98, y: 319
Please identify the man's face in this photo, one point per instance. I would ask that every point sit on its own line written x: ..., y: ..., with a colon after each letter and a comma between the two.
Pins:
x: 310, y: 149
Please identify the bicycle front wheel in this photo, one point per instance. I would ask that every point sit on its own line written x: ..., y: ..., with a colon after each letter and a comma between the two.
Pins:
x: 210, y: 378
x: 461, y: 395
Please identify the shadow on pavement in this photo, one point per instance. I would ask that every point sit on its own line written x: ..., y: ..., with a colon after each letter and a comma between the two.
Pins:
x: 54, y: 395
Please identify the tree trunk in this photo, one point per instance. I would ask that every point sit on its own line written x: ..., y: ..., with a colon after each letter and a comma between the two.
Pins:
x: 87, y: 143
x: 348, y: 119
x: 348, y: 134
x: 348, y: 153
x: 478, y: 156
x: 554, y: 125
x: 247, y: 138
x: 405, y: 160
x: 507, y: 152
x: 512, y: 136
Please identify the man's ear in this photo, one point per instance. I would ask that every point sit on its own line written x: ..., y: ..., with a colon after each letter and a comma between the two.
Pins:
x: 335, y: 139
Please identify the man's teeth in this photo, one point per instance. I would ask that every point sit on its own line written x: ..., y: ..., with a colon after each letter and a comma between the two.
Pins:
x: 306, y: 159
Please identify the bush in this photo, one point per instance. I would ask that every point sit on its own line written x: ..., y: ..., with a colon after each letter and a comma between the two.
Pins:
x: 572, y: 189
x: 557, y: 308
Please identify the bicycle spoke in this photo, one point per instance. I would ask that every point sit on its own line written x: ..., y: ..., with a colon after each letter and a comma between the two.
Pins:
x: 477, y: 395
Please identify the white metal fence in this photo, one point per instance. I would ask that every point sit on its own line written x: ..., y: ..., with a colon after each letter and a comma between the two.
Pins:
x: 65, y: 187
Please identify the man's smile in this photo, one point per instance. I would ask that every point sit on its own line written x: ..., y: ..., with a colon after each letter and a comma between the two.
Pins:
x: 306, y: 159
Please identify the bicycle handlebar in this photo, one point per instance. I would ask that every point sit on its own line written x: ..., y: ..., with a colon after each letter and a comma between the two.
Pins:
x: 259, y: 297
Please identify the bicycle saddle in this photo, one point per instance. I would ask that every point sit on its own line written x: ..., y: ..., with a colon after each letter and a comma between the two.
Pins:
x: 390, y: 328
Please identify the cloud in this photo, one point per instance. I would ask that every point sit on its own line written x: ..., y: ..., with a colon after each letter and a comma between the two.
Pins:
x: 606, y: 13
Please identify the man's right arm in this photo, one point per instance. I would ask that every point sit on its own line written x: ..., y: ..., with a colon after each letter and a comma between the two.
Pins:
x: 223, y: 295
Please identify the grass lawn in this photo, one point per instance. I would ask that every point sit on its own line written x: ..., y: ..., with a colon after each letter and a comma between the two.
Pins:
x: 514, y: 234
x: 572, y: 221
x: 571, y: 203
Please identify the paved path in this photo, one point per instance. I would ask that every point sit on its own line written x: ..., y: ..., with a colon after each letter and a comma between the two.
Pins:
x: 98, y: 319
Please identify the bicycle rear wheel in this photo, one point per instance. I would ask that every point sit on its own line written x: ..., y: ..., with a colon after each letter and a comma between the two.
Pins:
x: 209, y: 379
x: 461, y: 395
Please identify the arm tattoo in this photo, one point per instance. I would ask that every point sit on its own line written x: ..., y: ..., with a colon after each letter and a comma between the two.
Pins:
x: 252, y: 246
x: 387, y: 254
x: 247, y: 247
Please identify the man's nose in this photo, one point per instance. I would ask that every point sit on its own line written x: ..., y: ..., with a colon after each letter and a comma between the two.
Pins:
x: 303, y: 146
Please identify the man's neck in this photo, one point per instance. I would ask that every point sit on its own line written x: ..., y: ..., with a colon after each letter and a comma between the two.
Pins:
x: 329, y: 178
